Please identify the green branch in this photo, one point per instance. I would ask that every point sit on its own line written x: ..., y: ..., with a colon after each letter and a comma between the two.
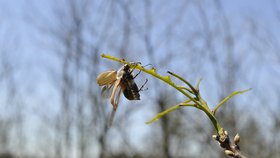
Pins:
x: 227, y: 98
x: 193, y: 101
x: 159, y: 115
x: 185, y: 81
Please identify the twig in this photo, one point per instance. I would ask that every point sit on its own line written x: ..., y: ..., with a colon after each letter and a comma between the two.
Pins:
x: 230, y: 149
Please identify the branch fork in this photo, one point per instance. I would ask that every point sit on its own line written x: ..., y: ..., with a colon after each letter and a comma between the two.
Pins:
x: 230, y: 149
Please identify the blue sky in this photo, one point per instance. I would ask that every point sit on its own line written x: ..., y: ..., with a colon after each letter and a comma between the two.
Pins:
x: 32, y: 61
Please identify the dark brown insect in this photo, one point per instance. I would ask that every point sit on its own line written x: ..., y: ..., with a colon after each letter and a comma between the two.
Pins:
x: 115, y: 82
x: 128, y: 86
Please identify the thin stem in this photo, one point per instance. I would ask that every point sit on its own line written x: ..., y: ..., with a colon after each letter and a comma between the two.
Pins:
x: 227, y: 98
x: 187, y: 89
x: 159, y: 115
x: 197, y: 84
x: 182, y: 79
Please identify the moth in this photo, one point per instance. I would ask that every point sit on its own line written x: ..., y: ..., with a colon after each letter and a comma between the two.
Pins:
x: 116, y: 82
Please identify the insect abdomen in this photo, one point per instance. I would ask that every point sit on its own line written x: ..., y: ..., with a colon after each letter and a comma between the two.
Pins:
x: 130, y: 89
x: 132, y: 93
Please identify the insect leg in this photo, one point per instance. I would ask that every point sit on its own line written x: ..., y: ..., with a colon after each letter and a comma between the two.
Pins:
x: 141, y: 88
x: 148, y: 65
x: 114, y: 92
x: 118, y: 98
x: 115, y: 105
x: 133, y: 68
x: 139, y: 71
x: 136, y: 74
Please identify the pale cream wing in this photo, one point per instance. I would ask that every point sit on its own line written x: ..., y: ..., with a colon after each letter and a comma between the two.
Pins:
x: 106, y: 78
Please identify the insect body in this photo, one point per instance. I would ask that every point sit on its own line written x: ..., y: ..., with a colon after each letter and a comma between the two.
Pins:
x: 120, y: 81
x: 128, y: 86
x: 115, y: 82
